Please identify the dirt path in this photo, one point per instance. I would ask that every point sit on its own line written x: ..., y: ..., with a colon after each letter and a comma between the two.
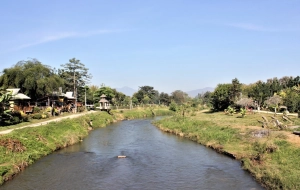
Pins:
x: 278, y: 113
x: 48, y: 121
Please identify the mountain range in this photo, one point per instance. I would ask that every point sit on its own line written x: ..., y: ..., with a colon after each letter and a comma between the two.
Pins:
x: 126, y: 90
x: 194, y: 93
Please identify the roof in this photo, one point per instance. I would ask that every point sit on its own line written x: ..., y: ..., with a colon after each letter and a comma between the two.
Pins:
x: 103, y: 96
x: 14, y: 91
x: 20, y: 96
x: 16, y: 95
x: 103, y: 100
x: 69, y: 95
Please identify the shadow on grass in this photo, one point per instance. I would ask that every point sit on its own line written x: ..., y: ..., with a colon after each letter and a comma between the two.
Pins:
x: 210, y: 112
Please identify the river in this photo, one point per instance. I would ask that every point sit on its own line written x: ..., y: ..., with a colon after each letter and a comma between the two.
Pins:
x: 155, y: 160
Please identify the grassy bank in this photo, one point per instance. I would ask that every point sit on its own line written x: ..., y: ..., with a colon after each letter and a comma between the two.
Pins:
x: 270, y: 155
x: 23, y: 147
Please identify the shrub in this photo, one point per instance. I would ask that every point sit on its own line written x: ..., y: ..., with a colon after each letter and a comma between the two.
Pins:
x: 16, y: 120
x: 25, y: 118
x: 230, y: 110
x: 81, y: 109
x: 173, y: 106
x: 37, y: 116
x: 243, y: 112
x: 36, y: 109
x: 49, y: 109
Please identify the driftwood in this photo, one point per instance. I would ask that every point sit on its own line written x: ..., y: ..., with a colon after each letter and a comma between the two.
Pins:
x: 265, y: 122
x: 287, y: 119
x: 276, y: 123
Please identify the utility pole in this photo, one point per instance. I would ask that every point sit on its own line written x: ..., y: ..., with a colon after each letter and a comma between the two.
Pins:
x: 75, y: 93
x: 85, y: 97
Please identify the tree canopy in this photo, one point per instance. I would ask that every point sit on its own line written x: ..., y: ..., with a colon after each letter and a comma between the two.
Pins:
x: 146, y: 94
x: 32, y: 77
x: 75, y: 76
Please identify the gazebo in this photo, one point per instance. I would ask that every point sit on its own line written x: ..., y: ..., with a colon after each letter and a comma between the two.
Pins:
x: 104, y: 103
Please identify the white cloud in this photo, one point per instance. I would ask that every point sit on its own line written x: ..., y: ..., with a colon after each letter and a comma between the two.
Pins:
x: 64, y: 35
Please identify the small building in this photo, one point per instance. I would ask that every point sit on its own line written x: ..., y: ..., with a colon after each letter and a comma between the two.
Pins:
x: 104, y: 103
x: 62, y: 102
x: 19, y: 101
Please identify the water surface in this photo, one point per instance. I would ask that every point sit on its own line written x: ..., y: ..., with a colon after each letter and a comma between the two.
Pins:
x: 155, y: 160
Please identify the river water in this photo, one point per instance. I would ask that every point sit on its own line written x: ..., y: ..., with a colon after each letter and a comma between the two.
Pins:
x: 155, y: 160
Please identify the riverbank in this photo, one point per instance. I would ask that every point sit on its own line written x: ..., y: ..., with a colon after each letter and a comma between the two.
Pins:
x: 270, y: 155
x: 22, y: 147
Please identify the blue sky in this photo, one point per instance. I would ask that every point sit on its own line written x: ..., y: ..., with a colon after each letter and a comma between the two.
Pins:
x: 168, y: 44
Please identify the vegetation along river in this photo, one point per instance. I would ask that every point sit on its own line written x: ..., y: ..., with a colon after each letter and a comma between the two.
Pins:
x: 155, y: 160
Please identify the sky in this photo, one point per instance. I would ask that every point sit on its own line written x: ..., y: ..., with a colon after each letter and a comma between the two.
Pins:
x: 168, y: 44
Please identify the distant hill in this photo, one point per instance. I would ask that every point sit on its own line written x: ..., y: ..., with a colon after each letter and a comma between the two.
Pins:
x: 194, y: 93
x: 126, y: 90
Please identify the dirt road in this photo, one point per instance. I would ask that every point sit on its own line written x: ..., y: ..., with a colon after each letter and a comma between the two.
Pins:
x: 48, y: 121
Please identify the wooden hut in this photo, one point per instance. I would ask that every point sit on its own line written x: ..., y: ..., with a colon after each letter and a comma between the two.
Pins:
x: 104, y: 103
x: 19, y: 101
x: 60, y: 101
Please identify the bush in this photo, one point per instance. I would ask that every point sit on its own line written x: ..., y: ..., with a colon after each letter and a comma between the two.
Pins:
x: 36, y: 109
x: 37, y: 116
x: 49, y: 109
x: 81, y: 109
x: 16, y: 120
x: 25, y: 118
x: 173, y: 106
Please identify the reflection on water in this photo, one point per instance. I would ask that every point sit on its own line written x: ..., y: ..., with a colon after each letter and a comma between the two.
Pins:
x: 155, y: 160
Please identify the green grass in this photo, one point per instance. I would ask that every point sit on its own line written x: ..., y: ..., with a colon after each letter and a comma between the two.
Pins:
x: 32, y: 121
x: 272, y: 160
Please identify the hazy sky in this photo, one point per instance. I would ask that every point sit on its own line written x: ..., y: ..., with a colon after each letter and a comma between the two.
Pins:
x: 168, y: 44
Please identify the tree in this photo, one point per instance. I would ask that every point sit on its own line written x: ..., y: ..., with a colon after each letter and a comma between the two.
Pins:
x: 164, y: 98
x: 291, y: 99
x: 75, y: 75
x: 259, y: 92
x: 32, y: 77
x: 135, y: 101
x: 90, y: 94
x: 274, y: 102
x: 235, y: 90
x: 146, y: 91
x: 107, y: 91
x: 127, y: 100
x: 179, y: 97
x: 220, y: 98
x: 205, y: 98
x: 4, y: 102
x: 119, y: 97
x: 146, y: 100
